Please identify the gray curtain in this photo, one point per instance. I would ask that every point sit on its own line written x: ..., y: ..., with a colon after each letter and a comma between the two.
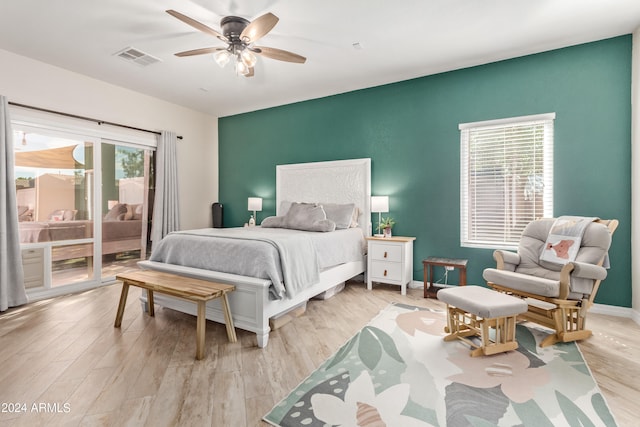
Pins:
x: 166, y: 214
x: 12, y: 291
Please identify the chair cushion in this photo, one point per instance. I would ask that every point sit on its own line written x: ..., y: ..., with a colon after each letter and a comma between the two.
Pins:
x: 523, y: 282
x: 595, y: 244
x: 593, y: 248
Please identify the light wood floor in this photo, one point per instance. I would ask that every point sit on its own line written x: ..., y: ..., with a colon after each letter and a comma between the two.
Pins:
x: 65, y: 350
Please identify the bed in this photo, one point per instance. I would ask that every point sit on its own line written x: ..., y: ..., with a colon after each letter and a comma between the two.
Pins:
x: 257, y: 299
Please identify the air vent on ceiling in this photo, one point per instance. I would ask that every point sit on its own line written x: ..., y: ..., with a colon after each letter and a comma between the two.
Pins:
x: 132, y: 54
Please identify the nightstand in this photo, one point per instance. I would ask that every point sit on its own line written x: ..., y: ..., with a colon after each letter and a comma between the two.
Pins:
x: 390, y: 260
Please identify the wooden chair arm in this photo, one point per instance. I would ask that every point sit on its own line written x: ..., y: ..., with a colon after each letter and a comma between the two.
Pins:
x: 506, y: 260
x: 565, y: 280
x: 579, y: 269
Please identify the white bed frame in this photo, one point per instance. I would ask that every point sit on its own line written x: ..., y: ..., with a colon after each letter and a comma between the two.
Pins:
x: 341, y: 181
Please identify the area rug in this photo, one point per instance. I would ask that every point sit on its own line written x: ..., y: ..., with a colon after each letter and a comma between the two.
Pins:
x: 398, y: 371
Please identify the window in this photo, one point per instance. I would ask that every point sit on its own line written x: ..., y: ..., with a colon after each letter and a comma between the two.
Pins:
x: 506, y: 178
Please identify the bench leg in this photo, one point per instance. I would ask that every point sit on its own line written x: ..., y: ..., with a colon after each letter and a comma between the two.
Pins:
x: 228, y: 320
x: 150, y: 302
x: 123, y: 302
x: 201, y: 324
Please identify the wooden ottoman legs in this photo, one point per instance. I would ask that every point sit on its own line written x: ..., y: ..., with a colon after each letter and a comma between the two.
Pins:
x: 474, y: 311
x: 461, y: 325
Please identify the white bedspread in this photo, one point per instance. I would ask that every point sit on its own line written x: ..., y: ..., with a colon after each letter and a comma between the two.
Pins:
x: 290, y: 259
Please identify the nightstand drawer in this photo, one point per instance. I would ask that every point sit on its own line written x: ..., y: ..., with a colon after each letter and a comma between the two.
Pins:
x: 386, y: 271
x: 386, y: 252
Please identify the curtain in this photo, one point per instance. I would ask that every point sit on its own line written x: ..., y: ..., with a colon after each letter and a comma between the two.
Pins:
x: 166, y: 213
x: 12, y: 292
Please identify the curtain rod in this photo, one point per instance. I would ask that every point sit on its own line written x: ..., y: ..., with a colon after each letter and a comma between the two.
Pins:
x: 100, y: 122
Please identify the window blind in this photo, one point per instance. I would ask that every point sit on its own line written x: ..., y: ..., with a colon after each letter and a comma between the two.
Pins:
x: 506, y: 178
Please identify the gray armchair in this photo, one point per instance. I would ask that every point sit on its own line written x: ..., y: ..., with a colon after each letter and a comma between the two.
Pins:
x: 558, y: 296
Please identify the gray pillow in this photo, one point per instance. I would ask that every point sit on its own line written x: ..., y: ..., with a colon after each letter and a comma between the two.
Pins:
x: 323, y: 225
x: 344, y: 215
x: 116, y: 213
x: 273, y: 222
x: 284, y: 207
x: 300, y: 215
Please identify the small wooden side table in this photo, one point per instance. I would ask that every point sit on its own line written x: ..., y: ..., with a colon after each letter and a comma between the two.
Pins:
x: 431, y: 261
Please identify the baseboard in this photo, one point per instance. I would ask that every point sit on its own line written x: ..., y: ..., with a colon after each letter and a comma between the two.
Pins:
x: 613, y: 310
x: 414, y: 284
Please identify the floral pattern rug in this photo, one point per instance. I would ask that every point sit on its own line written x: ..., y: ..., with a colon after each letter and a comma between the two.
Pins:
x: 398, y: 371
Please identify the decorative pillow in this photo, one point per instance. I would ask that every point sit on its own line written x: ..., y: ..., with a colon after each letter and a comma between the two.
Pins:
x: 323, y: 226
x: 284, y: 207
x: 129, y: 213
x: 116, y: 213
x: 300, y: 215
x: 356, y: 216
x: 342, y: 214
x: 69, y: 214
x: 56, y: 215
x: 137, y: 211
x: 273, y: 222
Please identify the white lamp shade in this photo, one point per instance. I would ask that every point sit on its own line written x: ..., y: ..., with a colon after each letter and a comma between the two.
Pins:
x: 379, y: 203
x: 254, y: 204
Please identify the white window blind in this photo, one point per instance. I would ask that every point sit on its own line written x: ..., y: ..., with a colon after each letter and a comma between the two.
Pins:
x: 506, y: 178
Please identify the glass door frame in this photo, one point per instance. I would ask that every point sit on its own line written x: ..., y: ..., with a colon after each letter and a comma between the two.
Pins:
x: 85, y: 131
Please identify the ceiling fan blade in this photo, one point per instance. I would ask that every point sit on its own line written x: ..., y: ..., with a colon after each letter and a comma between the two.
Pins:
x: 259, y: 27
x: 197, y: 25
x: 201, y: 51
x: 250, y: 73
x: 279, y: 54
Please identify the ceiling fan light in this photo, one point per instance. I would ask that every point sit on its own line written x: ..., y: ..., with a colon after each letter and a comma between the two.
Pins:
x: 222, y: 57
x: 248, y: 58
x: 242, y: 68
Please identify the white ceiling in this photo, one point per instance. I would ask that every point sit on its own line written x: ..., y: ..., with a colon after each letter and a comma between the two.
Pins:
x: 400, y: 40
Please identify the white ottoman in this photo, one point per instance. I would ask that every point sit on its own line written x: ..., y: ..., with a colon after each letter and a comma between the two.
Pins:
x: 474, y: 310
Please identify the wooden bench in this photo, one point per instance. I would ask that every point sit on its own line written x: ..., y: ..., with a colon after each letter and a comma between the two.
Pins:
x: 196, y: 290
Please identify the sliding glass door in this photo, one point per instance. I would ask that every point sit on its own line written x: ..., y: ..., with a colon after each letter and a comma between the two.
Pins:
x: 82, y: 205
x: 125, y: 202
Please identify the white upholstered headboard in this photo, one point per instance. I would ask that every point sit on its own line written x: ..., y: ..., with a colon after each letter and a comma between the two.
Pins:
x: 339, y: 181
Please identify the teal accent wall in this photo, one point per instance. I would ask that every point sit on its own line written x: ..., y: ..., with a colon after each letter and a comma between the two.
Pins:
x: 410, y: 131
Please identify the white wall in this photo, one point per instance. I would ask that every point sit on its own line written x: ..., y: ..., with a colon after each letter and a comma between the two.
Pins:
x: 29, y: 82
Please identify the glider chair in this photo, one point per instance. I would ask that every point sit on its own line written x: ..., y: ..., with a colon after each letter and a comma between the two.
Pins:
x: 558, y: 295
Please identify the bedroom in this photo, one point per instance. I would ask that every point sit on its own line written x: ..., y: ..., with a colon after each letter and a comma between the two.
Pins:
x: 586, y: 82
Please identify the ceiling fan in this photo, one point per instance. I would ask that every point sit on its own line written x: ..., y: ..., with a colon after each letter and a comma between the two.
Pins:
x: 240, y: 35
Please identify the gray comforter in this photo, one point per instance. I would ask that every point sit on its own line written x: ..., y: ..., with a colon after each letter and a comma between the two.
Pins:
x: 290, y: 259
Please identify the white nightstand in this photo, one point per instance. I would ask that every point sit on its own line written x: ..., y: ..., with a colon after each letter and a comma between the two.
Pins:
x: 390, y: 260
